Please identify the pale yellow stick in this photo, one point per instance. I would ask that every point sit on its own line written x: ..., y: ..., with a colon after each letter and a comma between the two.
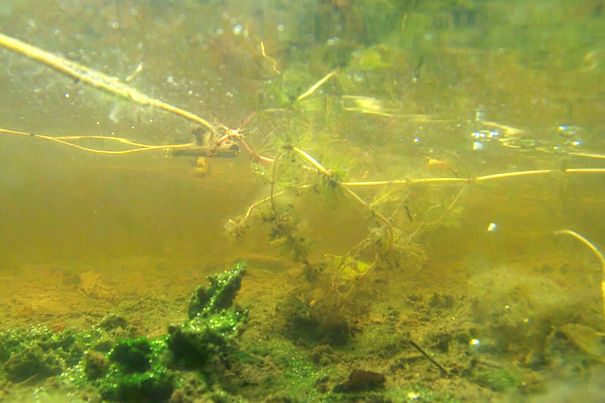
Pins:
x: 514, y: 174
x: 484, y: 178
x: 316, y: 164
x: 570, y: 153
x: 269, y: 58
x: 405, y: 182
x: 96, y: 79
x: 257, y: 203
x: 315, y: 86
x: 120, y: 152
x: 587, y: 155
x: 586, y: 170
x: 596, y: 252
x: 65, y: 140
x: 267, y: 199
x: 540, y: 172
x: 508, y: 130
x: 307, y: 157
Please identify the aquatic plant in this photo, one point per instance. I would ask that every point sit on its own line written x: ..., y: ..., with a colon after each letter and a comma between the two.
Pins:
x: 596, y: 252
x: 223, y: 140
x: 337, y: 138
x: 295, y: 172
x: 134, y: 368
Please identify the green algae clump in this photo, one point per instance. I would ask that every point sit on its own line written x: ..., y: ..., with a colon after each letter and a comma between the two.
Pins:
x: 122, y: 368
x: 212, y: 323
x: 138, y: 371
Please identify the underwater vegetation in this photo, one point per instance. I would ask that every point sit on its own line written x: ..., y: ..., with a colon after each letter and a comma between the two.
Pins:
x: 110, y: 363
x: 417, y: 188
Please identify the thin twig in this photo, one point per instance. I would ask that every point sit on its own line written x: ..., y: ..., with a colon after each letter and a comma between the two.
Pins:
x: 308, y: 158
x: 428, y: 357
x: 442, y: 217
x: 320, y: 168
x: 316, y: 86
x: 110, y: 84
x: 69, y: 141
x: 595, y: 251
x: 484, y: 178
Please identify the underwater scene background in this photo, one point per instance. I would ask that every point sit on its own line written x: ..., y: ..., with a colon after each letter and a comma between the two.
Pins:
x: 292, y: 201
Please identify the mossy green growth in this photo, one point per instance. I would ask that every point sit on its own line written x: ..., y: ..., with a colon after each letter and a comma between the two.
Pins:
x: 31, y: 362
x: 138, y: 371
x: 129, y: 368
x: 146, y: 370
x: 219, y: 295
x: 300, y: 378
x: 499, y: 379
x: 38, y: 352
x: 132, y: 355
x: 213, y: 322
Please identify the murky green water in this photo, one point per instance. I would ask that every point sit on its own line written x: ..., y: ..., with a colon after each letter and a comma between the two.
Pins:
x: 366, y: 195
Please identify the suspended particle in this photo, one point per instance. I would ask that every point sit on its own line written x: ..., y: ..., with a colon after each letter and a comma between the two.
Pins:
x: 568, y: 130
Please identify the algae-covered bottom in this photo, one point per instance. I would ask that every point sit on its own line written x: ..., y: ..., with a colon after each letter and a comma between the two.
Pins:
x: 109, y: 362
x: 410, y: 346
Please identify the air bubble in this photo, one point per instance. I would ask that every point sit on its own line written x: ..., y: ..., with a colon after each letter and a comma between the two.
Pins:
x: 474, y: 344
x: 567, y: 130
x: 494, y: 134
x: 576, y: 143
x: 491, y: 134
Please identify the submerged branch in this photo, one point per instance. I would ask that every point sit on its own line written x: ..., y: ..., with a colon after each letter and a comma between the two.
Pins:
x: 320, y: 168
x: 595, y: 251
x: 70, y: 141
x: 316, y: 86
x: 484, y: 178
x: 110, y: 84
